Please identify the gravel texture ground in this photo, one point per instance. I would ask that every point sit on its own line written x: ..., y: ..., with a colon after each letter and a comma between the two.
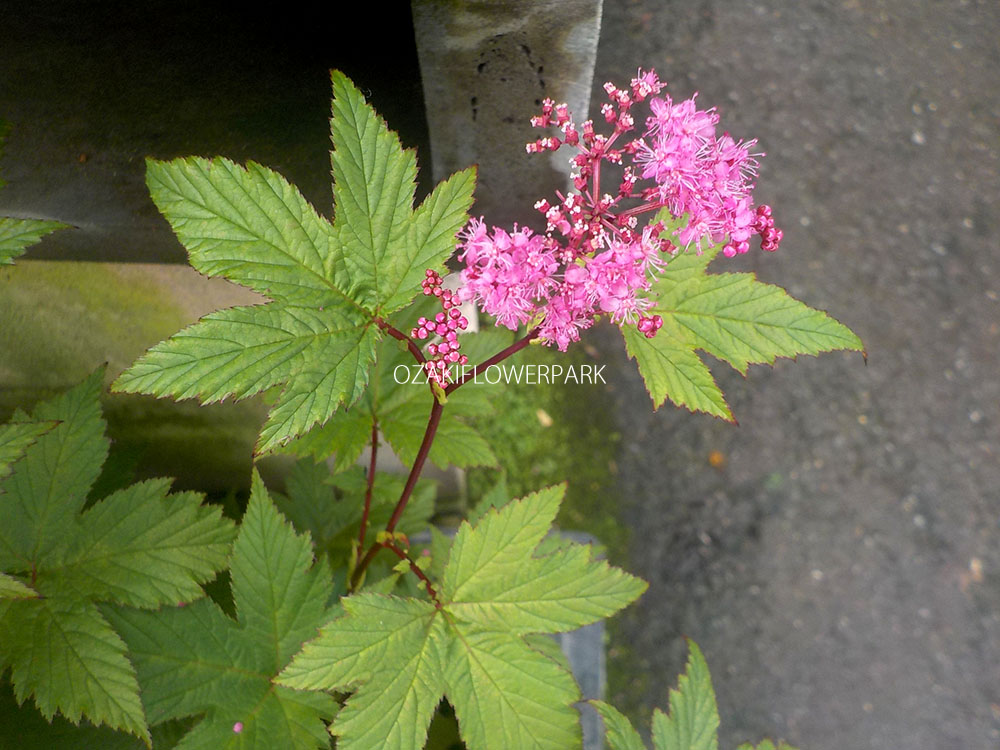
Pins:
x: 841, y: 567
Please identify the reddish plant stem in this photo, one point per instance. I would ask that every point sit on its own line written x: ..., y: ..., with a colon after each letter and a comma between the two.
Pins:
x: 641, y: 209
x: 498, y: 357
x: 368, y: 489
x: 400, y: 336
x: 411, y: 481
x: 425, y: 447
x: 416, y: 571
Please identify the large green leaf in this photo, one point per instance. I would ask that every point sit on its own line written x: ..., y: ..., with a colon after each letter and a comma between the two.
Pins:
x: 252, y: 227
x: 196, y: 660
x: 330, y: 284
x: 401, y: 655
x: 731, y: 316
x: 140, y: 545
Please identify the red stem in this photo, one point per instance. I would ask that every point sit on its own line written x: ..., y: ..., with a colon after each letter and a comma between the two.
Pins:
x: 641, y: 209
x: 416, y: 571
x: 411, y: 481
x: 425, y: 447
x: 498, y: 357
x: 368, y: 489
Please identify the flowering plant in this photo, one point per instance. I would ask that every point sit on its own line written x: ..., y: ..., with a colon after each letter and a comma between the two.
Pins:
x: 330, y: 620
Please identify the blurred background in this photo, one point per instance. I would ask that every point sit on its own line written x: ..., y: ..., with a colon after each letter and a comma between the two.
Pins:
x: 836, y: 555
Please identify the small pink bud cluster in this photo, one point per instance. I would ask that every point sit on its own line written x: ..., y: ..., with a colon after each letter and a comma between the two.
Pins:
x: 444, y: 327
x: 594, y: 259
x: 770, y: 236
x: 762, y: 224
x: 649, y: 326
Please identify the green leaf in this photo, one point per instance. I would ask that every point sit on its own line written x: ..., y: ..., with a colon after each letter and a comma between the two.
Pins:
x: 66, y: 655
x: 671, y: 369
x: 387, y: 246
x: 24, y: 727
x: 618, y: 730
x: 17, y: 235
x: 50, y: 483
x: 252, y: 227
x: 731, y: 316
x: 249, y: 225
x: 766, y: 745
x: 471, y: 645
x: 13, y: 588
x: 15, y: 438
x: 139, y: 545
x: 742, y: 321
x: 402, y: 407
x: 329, y: 506
x: 330, y: 284
x: 227, y: 666
x: 492, y: 576
x: 693, y: 722
x: 143, y: 547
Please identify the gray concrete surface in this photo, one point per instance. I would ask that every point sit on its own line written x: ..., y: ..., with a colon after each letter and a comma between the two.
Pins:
x: 841, y: 568
x: 841, y: 571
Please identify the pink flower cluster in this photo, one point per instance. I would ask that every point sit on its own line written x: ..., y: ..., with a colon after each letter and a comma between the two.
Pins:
x: 593, y: 259
x: 513, y: 277
x: 695, y: 173
x: 443, y: 329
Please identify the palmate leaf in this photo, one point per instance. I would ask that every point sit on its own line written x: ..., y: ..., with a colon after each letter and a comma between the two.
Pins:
x: 226, y: 667
x: 402, y: 655
x: 140, y: 545
x: 329, y: 284
x: 731, y: 316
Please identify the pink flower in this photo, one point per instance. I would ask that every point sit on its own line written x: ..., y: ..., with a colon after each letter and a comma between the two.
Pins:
x: 507, y: 274
x: 593, y: 259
